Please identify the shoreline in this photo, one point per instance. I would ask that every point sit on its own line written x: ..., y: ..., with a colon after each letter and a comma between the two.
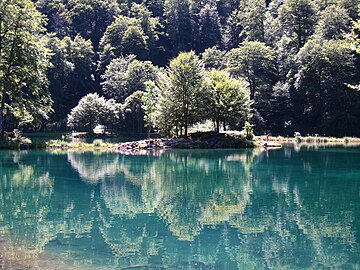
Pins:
x: 311, y: 139
x: 203, y: 140
x: 229, y: 140
x: 195, y: 141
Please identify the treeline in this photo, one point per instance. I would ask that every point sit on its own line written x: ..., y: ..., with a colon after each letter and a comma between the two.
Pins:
x: 297, y: 61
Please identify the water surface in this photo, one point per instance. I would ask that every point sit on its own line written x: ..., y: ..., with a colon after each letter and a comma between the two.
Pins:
x: 199, y: 209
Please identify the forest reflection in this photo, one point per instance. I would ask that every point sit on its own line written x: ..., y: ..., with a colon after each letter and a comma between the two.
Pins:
x: 242, y: 209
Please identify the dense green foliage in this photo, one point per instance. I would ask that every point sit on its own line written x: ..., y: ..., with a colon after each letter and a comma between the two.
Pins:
x: 94, y: 110
x: 23, y: 63
x: 297, y: 60
x: 228, y: 100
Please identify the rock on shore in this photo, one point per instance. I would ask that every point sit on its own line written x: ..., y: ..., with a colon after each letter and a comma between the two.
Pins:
x: 208, y: 140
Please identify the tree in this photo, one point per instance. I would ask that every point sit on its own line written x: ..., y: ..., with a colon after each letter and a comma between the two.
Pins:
x: 134, y: 113
x: 135, y: 42
x: 156, y: 7
x: 214, y: 58
x: 272, y: 24
x: 23, y: 64
x: 123, y: 37
x: 92, y: 111
x: 149, y: 100
x: 163, y: 117
x: 183, y: 93
x: 352, y: 7
x: 232, y: 31
x: 56, y: 13
x: 148, y: 24
x: 113, y: 117
x: 353, y: 39
x: 226, y: 7
x: 327, y: 105
x: 71, y: 75
x: 209, y: 25
x: 252, y: 19
x: 298, y: 18
x: 90, y: 18
x: 281, y: 114
x: 126, y: 75
x: 110, y: 44
x: 178, y: 24
x: 228, y: 99
x: 333, y: 23
x: 253, y: 61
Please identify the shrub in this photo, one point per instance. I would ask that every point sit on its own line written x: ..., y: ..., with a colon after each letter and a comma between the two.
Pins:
x: 97, y: 143
x: 92, y: 111
x: 249, y: 130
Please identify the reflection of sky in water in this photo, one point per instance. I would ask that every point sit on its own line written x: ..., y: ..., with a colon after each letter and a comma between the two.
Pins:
x: 218, y: 209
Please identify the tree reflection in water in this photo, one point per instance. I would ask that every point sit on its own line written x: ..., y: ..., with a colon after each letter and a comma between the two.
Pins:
x: 185, y: 209
x: 25, y: 199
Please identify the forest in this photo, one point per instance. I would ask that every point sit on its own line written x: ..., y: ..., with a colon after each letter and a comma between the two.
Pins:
x: 169, y: 65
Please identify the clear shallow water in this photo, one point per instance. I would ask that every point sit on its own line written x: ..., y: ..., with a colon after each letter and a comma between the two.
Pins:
x: 203, y: 209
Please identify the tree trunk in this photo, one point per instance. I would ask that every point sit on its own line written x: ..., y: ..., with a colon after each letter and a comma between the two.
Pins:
x: 2, y: 115
x: 252, y: 90
x: 217, y: 122
x: 1, y: 126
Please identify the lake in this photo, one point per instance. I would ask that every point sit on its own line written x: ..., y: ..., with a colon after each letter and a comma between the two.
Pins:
x: 200, y: 209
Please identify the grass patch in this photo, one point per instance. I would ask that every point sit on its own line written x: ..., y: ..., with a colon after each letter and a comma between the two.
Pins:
x: 312, y: 140
x: 97, y: 145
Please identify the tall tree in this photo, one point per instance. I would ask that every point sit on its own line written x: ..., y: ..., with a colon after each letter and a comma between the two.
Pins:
x: 281, y: 115
x: 71, y: 75
x: 252, y: 19
x: 149, y: 100
x: 333, y: 23
x: 156, y: 7
x: 184, y: 91
x: 90, y: 18
x: 134, y: 113
x: 298, y: 18
x: 178, y: 24
x: 233, y: 29
x: 57, y: 15
x: 225, y: 8
x: 148, y: 23
x: 23, y: 64
x: 134, y: 42
x: 253, y: 61
x: 229, y: 99
x: 209, y: 24
x: 124, y: 36
x: 214, y: 58
x: 324, y: 103
x: 126, y: 75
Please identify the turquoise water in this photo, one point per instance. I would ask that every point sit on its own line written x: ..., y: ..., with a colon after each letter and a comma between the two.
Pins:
x: 203, y: 209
